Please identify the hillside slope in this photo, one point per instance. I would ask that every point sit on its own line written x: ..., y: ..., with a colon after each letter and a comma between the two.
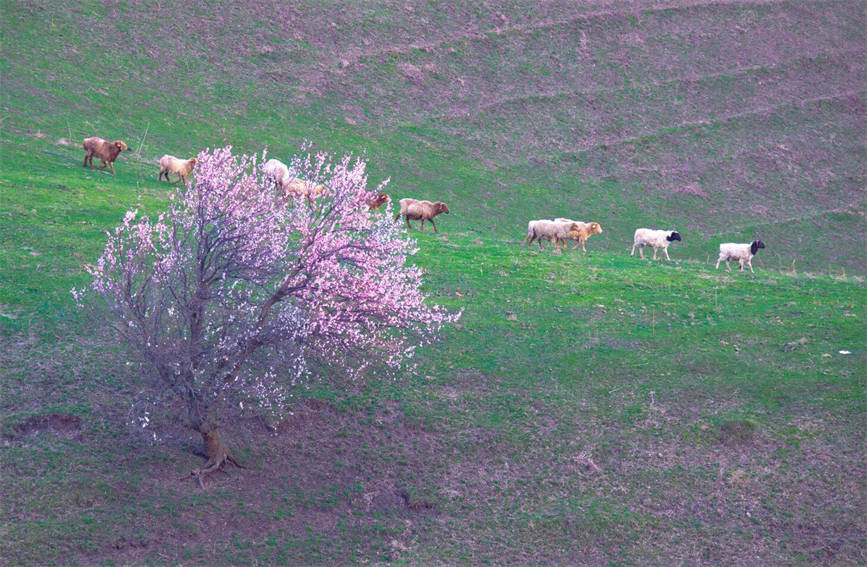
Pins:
x: 726, y: 120
x: 586, y: 409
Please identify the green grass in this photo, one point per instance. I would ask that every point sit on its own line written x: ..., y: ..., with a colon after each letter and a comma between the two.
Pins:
x: 586, y: 409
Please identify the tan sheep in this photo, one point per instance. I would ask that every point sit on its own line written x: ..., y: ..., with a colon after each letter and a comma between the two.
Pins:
x: 585, y: 230
x: 104, y: 150
x: 378, y: 201
x: 301, y: 188
x: 180, y: 167
x: 413, y: 209
x: 556, y: 231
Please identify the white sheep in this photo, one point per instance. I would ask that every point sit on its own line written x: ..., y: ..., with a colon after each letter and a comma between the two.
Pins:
x: 743, y: 253
x: 277, y: 172
x: 659, y: 239
x: 552, y: 230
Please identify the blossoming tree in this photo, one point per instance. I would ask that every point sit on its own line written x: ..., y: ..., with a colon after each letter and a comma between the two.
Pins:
x: 230, y: 296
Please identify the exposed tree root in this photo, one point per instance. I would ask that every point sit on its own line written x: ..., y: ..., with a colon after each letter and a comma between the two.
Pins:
x: 218, y: 455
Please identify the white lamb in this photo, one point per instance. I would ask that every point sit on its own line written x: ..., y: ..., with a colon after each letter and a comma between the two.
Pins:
x: 659, y: 239
x: 743, y: 253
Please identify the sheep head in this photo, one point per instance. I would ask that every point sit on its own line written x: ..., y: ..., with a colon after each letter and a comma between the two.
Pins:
x: 441, y: 207
x: 674, y: 236
x: 121, y: 146
x: 754, y: 247
x: 595, y: 228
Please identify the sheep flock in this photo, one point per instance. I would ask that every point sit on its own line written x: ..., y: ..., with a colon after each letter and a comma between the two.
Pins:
x: 557, y: 231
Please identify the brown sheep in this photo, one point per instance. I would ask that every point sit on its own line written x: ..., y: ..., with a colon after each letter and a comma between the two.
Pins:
x: 181, y: 167
x: 424, y: 210
x: 378, y: 201
x: 104, y: 150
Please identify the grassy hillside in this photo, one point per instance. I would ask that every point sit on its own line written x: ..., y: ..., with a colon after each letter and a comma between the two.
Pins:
x: 587, y: 409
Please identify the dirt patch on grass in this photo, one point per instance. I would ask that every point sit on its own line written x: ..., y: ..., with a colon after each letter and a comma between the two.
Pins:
x: 58, y: 424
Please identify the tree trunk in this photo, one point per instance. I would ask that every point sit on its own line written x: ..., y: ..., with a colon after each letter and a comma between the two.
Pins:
x: 218, y: 452
x: 218, y: 455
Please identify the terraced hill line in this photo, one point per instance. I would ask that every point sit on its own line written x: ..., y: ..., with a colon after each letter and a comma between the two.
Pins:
x: 728, y: 72
x: 615, y: 141
x: 730, y: 116
x: 850, y: 207
x: 724, y: 118
x: 353, y: 55
x: 486, y: 73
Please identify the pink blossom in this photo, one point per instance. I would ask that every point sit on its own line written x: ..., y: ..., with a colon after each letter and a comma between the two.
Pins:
x: 232, y: 293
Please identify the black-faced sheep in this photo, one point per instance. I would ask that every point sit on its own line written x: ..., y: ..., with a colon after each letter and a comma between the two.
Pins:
x: 413, y: 209
x: 659, y: 239
x: 743, y: 253
x: 104, y: 150
x: 181, y: 167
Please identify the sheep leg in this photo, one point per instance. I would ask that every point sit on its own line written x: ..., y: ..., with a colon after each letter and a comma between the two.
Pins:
x: 633, y: 251
x: 432, y: 222
x: 421, y: 226
x: 654, y: 253
x: 641, y: 252
x: 88, y: 155
x: 408, y: 226
x: 667, y: 257
x: 111, y: 167
x: 728, y: 267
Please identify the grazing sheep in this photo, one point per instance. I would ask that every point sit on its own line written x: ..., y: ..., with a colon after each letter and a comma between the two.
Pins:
x: 104, y: 150
x: 303, y: 189
x: 557, y: 231
x: 743, y: 253
x: 378, y: 201
x: 181, y: 167
x: 584, y: 231
x: 277, y: 173
x: 659, y: 239
x: 424, y: 210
